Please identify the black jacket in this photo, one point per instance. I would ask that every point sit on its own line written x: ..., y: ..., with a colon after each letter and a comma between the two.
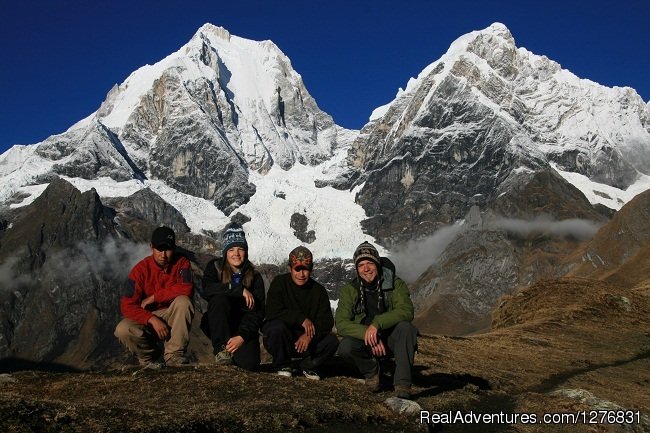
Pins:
x: 251, y: 320
x: 293, y: 304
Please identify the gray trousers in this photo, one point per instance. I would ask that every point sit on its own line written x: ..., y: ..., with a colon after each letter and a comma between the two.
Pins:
x: 401, y: 340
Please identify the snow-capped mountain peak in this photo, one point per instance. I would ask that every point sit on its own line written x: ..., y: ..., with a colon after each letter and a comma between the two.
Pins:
x: 195, y: 128
x: 488, y: 104
x: 234, y: 103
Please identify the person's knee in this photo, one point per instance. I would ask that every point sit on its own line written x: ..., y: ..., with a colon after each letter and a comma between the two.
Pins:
x: 346, y: 347
x: 274, y: 327
x: 121, y: 330
x: 183, y: 302
x: 126, y: 330
x: 406, y: 329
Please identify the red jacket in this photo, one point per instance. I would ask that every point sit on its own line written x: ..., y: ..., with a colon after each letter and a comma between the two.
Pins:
x: 148, y: 278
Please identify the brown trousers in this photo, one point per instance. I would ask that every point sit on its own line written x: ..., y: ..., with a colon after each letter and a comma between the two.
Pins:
x: 142, y: 341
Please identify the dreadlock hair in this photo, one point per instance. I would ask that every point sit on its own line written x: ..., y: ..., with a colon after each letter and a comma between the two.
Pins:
x: 371, y: 287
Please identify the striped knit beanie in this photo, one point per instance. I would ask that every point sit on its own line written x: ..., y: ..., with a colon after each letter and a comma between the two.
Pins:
x: 234, y: 236
x: 366, y: 251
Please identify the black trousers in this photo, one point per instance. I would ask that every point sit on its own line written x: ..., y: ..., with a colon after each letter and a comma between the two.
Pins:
x: 279, y: 339
x: 401, y: 341
x: 221, y: 322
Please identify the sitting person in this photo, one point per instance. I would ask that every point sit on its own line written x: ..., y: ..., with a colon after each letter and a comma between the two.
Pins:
x: 157, y: 304
x: 298, y: 319
x: 374, y: 317
x: 235, y: 294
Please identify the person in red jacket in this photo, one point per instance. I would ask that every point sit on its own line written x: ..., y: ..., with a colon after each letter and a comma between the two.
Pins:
x: 157, y: 304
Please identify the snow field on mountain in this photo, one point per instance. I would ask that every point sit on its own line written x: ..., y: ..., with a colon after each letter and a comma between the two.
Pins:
x: 599, y: 193
x: 11, y: 169
x: 332, y: 214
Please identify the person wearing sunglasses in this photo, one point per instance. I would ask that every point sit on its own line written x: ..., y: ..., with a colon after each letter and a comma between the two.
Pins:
x: 299, y: 319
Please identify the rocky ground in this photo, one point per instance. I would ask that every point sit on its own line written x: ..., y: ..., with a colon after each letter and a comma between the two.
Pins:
x: 559, y: 346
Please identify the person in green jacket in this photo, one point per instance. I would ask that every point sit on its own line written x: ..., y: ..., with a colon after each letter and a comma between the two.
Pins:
x: 374, y: 317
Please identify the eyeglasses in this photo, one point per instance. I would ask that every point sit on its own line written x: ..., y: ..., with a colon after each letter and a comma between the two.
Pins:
x: 300, y: 268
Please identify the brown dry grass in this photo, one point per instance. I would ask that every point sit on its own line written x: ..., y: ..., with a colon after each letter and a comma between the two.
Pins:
x: 200, y: 399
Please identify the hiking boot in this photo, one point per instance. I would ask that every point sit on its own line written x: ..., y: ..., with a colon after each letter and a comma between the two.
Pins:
x: 311, y: 374
x: 147, y: 365
x: 150, y: 365
x: 403, y: 391
x: 373, y: 383
x: 223, y: 358
x: 177, y: 361
x: 285, y: 371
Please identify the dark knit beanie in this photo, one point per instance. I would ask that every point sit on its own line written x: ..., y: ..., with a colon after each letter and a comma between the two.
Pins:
x: 366, y: 251
x: 301, y: 256
x: 234, y: 236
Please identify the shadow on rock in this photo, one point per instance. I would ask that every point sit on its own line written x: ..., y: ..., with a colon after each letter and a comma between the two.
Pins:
x: 440, y: 382
x: 10, y: 365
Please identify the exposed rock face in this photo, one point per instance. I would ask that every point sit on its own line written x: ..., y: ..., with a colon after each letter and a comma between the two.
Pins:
x: 300, y: 223
x: 471, y: 275
x: 618, y: 253
x: 59, y: 217
x: 492, y: 255
x: 58, y: 276
x: 147, y: 206
x: 333, y: 274
x: 528, y: 194
x: 89, y: 152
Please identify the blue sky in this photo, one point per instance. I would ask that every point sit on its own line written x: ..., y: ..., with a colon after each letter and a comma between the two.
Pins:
x: 61, y: 57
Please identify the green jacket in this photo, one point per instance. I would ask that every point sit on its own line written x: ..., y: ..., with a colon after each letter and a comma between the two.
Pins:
x: 397, y: 302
